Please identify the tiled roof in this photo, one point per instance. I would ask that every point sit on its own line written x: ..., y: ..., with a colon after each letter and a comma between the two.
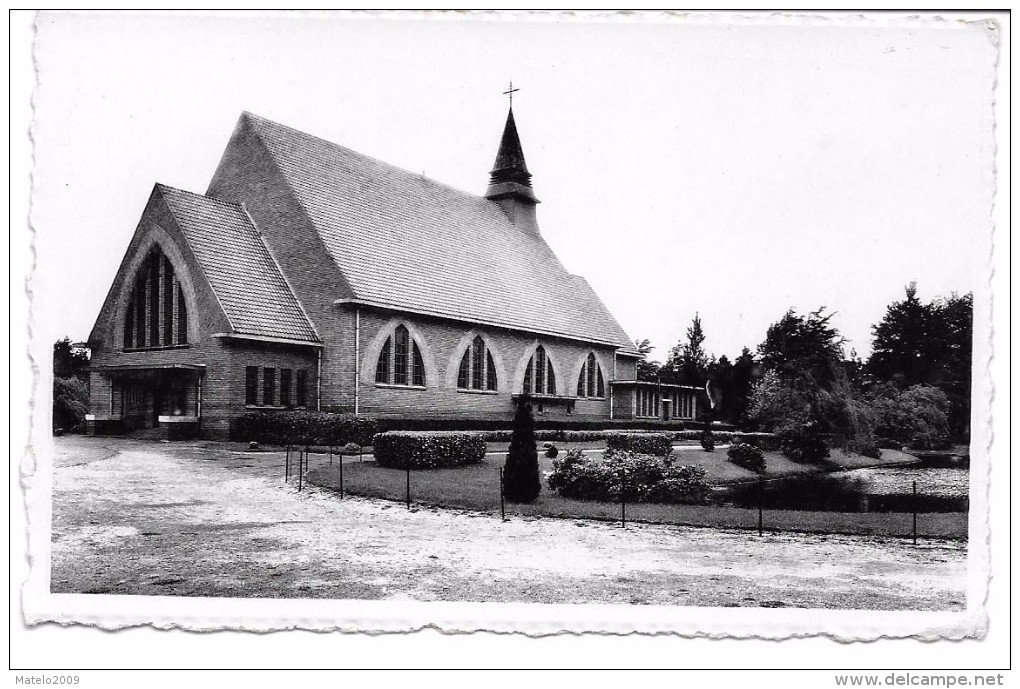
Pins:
x: 241, y: 271
x: 407, y: 242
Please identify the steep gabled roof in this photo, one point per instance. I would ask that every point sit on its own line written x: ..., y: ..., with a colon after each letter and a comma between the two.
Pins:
x: 239, y: 267
x: 406, y: 242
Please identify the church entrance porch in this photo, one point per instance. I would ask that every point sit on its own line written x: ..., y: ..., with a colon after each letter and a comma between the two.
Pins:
x: 162, y: 402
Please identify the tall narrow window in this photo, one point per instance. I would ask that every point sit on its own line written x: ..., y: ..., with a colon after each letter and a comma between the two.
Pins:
x: 285, y: 379
x: 477, y: 370
x: 153, y: 293
x: 269, y: 387
x: 540, y: 369
x: 140, y: 313
x: 400, y: 354
x: 182, y: 318
x: 478, y: 364
x: 168, y: 293
x: 591, y: 383
x: 400, y: 360
x: 417, y: 367
x: 540, y: 378
x: 490, y: 372
x: 251, y: 385
x: 464, y: 372
x: 301, y: 388
x: 129, y: 327
x: 382, y: 367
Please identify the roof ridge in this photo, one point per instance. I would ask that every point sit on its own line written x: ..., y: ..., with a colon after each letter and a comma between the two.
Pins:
x: 365, y: 156
x: 167, y: 187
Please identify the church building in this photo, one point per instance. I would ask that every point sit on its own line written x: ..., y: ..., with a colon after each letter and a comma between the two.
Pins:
x: 309, y: 276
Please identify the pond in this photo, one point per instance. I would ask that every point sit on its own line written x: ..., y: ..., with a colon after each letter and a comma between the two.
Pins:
x: 942, y: 486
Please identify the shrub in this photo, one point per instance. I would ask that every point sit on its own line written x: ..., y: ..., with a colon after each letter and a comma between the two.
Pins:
x: 683, y: 485
x: 303, y: 428
x: 428, y: 449
x: 70, y: 403
x: 642, y: 443
x: 747, y: 456
x: 644, y: 478
x: 803, y: 443
x: 707, y: 440
x: 767, y: 442
x: 521, y: 482
x: 551, y: 452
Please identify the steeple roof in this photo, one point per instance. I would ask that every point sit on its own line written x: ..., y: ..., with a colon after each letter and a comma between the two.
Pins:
x: 510, y: 165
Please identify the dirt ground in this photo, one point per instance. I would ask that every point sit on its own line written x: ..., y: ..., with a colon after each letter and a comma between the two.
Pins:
x: 132, y: 517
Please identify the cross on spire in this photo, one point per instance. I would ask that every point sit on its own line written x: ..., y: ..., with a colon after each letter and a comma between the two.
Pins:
x: 510, y: 92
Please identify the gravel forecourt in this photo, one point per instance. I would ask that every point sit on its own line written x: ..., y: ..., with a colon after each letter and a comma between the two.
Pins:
x: 197, y: 519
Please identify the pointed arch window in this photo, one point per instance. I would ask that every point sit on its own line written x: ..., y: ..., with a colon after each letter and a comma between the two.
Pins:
x: 540, y: 376
x: 591, y: 383
x: 477, y: 370
x: 156, y: 314
x: 400, y: 361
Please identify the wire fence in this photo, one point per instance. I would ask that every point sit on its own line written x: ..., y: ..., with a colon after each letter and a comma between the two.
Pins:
x: 482, y: 488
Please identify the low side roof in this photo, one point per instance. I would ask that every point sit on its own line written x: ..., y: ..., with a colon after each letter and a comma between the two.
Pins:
x: 239, y: 267
x: 406, y: 242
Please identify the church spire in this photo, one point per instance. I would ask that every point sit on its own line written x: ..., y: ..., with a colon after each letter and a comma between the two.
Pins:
x: 510, y: 165
x: 510, y: 181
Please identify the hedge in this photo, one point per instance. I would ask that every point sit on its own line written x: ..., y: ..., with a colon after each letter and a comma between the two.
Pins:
x: 542, y: 424
x: 428, y: 449
x: 302, y: 428
x: 643, y: 443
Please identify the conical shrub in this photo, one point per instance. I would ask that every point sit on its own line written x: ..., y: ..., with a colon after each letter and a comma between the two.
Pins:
x: 521, y: 482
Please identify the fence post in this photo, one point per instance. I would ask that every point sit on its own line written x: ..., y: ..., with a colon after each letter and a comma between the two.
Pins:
x: 286, y: 472
x: 623, y: 499
x: 408, y: 468
x: 300, y: 474
x: 761, y: 491
x: 341, y: 477
x: 914, y: 506
x: 331, y: 456
x: 502, y: 503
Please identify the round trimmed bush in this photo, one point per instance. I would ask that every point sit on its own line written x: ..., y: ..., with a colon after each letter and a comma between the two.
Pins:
x: 747, y: 456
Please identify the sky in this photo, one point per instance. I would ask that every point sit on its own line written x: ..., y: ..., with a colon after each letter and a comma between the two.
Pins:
x: 712, y: 165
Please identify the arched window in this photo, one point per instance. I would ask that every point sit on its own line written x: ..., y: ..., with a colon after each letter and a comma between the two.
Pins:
x: 156, y: 313
x: 477, y: 370
x: 591, y: 383
x: 400, y: 361
x: 539, y: 377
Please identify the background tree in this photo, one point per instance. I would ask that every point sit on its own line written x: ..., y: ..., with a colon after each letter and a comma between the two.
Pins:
x: 646, y: 368
x: 731, y: 385
x: 807, y: 385
x: 70, y: 386
x: 521, y: 482
x: 927, y: 344
x: 68, y: 360
x: 688, y: 362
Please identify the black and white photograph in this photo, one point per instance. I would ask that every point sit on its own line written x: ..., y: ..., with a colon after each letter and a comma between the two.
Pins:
x: 513, y: 322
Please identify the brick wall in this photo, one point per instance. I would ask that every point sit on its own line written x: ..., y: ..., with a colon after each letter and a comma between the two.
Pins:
x: 443, y: 344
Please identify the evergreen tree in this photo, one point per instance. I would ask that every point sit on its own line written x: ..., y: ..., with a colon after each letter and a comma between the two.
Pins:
x: 688, y: 361
x: 521, y: 482
x: 901, y: 351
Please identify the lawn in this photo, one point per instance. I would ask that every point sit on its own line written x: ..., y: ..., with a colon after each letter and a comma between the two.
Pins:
x: 476, y: 487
